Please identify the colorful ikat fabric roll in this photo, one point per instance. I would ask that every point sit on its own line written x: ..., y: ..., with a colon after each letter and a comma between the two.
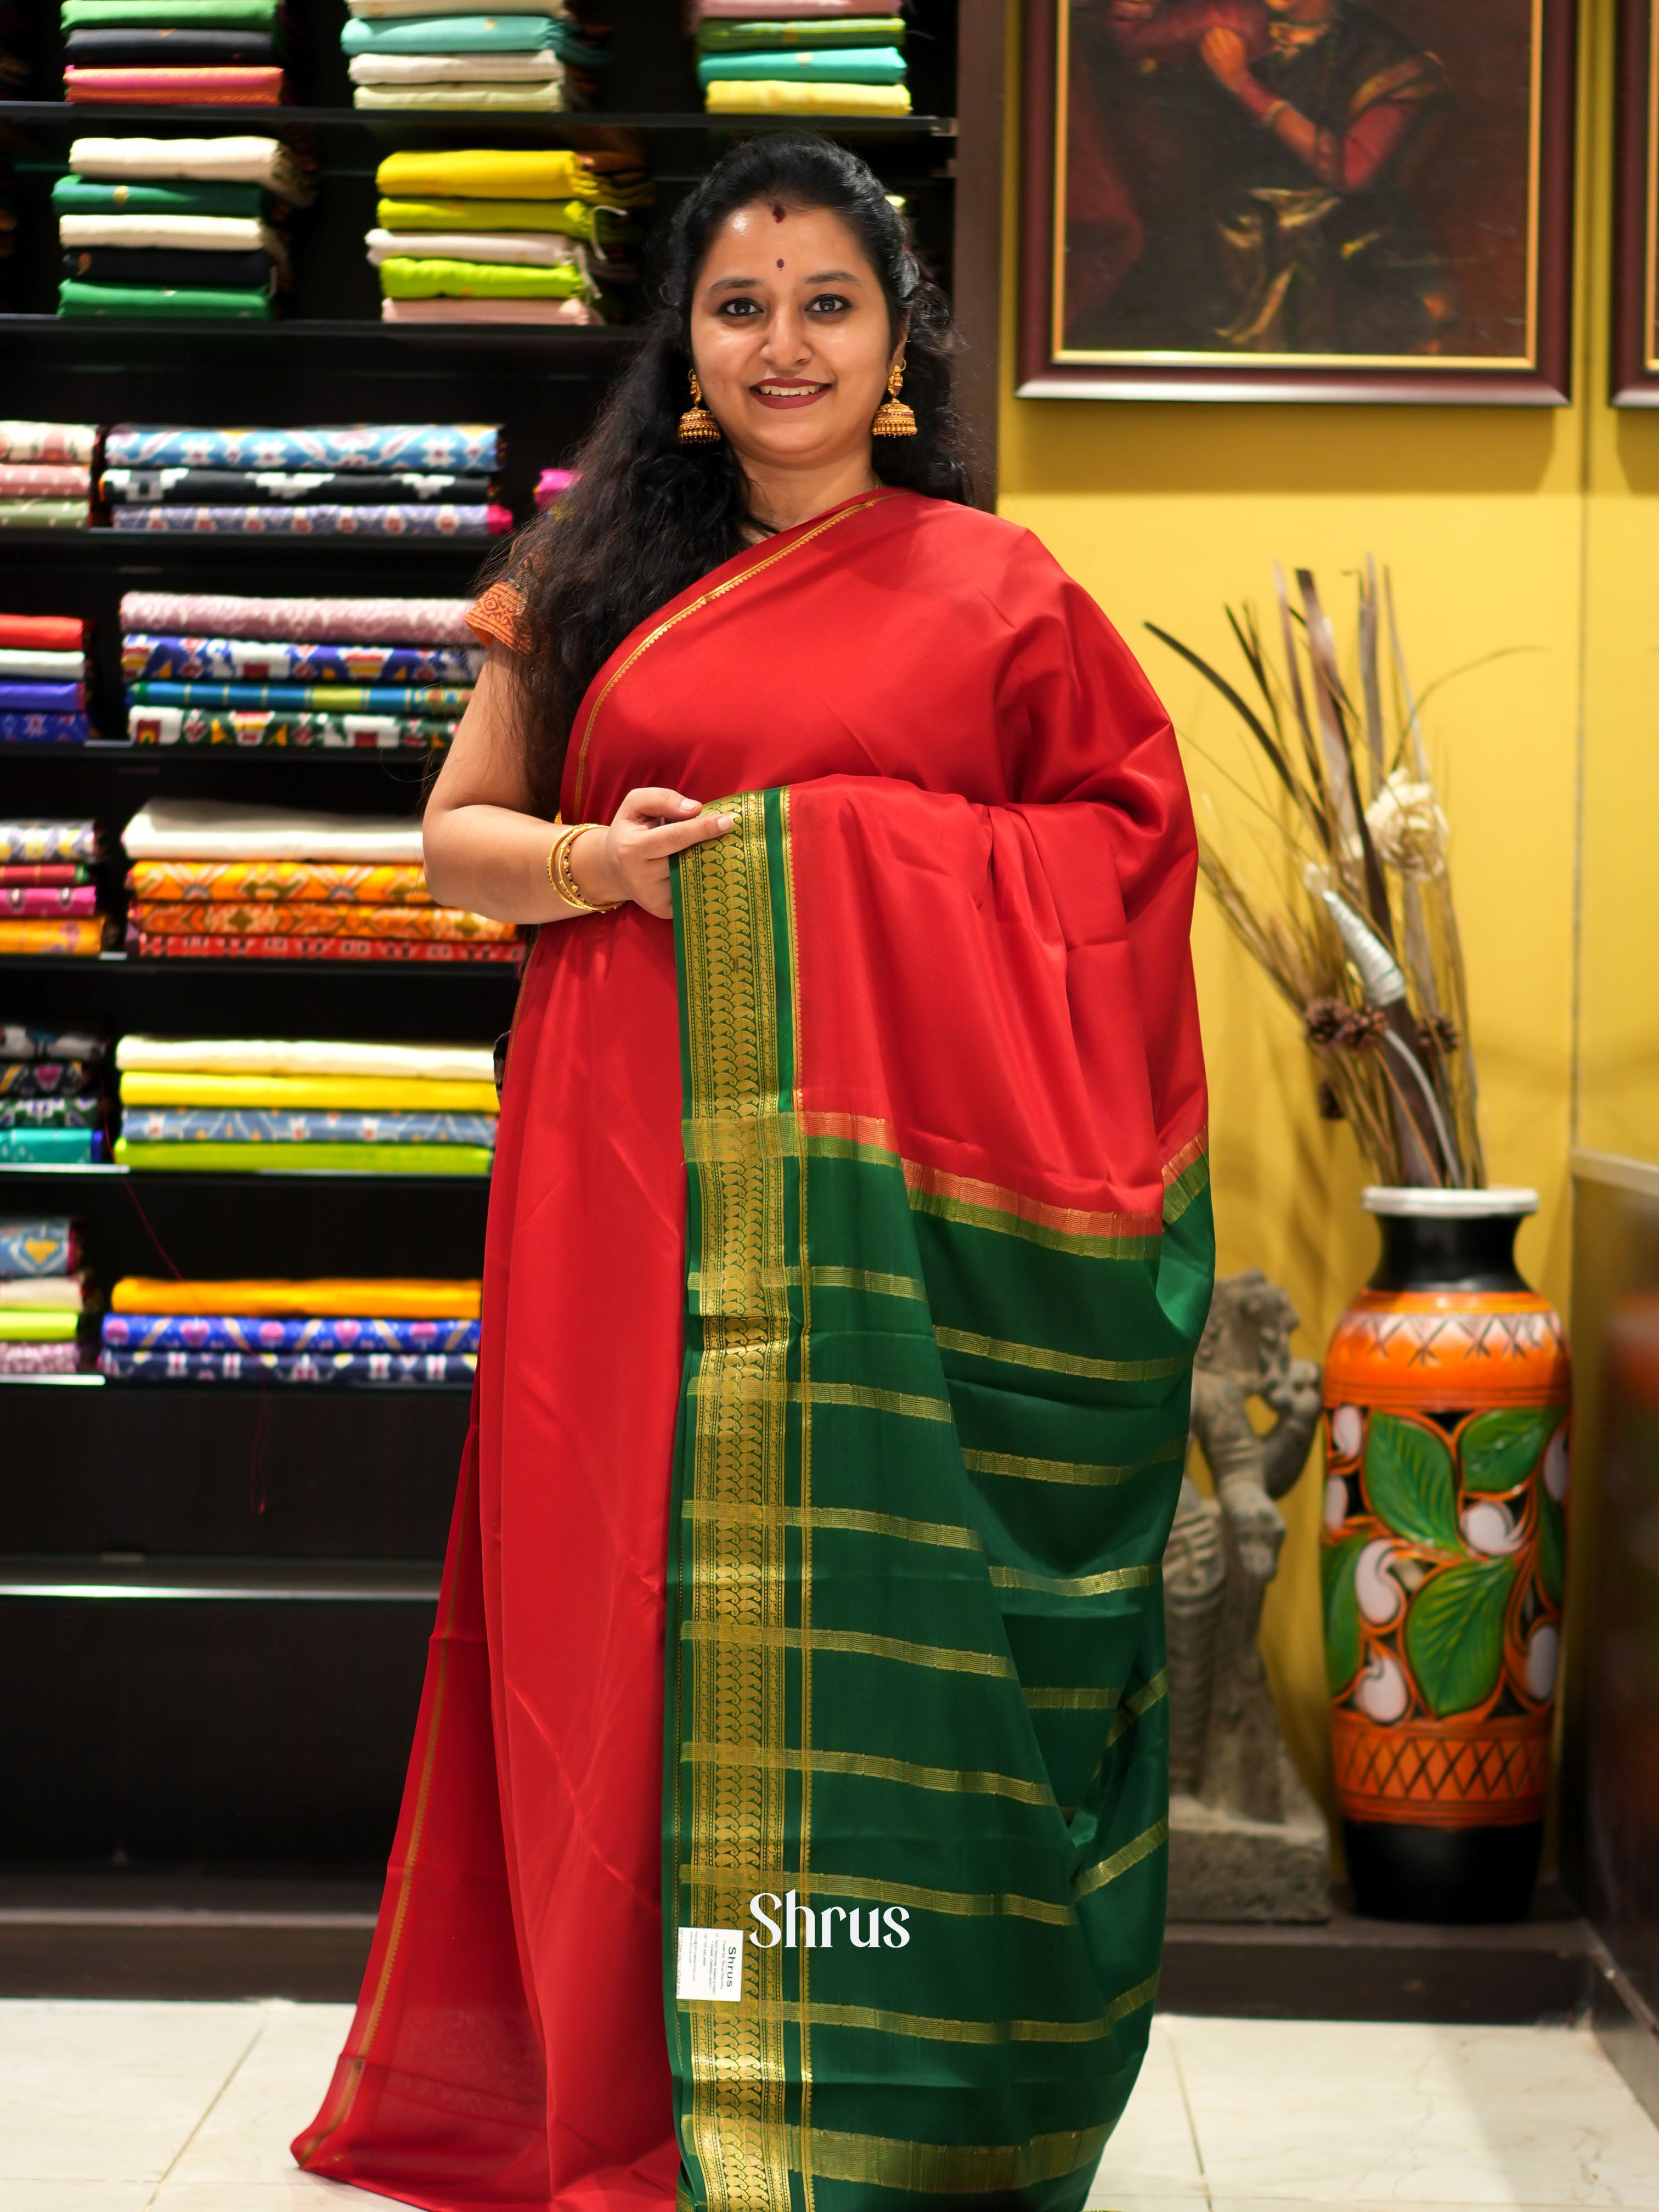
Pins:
x: 301, y: 621
x: 317, y: 521
x: 205, y: 726
x: 48, y: 841
x: 383, y: 1368
x: 274, y: 1332
x: 254, y: 1126
x: 31, y: 727
x: 39, y: 1245
x: 470, y: 448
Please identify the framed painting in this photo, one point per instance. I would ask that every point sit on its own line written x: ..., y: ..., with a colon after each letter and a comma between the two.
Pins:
x: 1298, y: 199
x: 1635, y: 360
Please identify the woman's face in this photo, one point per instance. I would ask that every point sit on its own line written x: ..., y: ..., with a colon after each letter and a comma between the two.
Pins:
x: 790, y: 337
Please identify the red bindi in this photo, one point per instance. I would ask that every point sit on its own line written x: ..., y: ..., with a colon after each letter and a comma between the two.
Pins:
x: 779, y: 265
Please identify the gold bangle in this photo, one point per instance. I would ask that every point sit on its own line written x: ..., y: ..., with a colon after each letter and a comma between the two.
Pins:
x: 563, y: 878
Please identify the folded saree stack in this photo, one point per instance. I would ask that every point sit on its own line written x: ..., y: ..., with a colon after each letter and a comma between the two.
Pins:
x: 527, y: 54
x: 483, y: 235
x: 45, y: 475
x: 52, y: 1105
x: 263, y: 1105
x: 391, y: 1332
x: 800, y: 57
x: 365, y: 479
x: 44, y: 679
x: 211, y: 881
x: 205, y: 669
x: 49, y: 868
x: 44, y: 1293
x: 174, y: 53
x: 159, y: 227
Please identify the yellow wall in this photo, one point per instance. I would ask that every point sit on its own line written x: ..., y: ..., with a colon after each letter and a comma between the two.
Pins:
x: 1486, y: 518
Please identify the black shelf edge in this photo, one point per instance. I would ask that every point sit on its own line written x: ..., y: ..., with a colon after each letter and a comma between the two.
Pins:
x: 135, y: 963
x: 261, y: 1581
x: 127, y: 749
x: 99, y: 544
x: 592, y: 343
x: 223, y: 1179
x: 572, y: 125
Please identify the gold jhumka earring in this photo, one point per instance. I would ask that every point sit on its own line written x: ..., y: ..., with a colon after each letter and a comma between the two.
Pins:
x: 697, y: 426
x: 893, y: 418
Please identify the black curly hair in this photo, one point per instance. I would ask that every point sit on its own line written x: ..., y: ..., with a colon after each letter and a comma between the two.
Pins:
x: 649, y: 515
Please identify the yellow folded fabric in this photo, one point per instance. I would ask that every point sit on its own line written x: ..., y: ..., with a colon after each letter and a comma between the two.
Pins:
x: 777, y: 96
x: 374, y: 1094
x: 396, y: 1297
x: 486, y: 173
x: 236, y: 1155
x: 40, y: 1326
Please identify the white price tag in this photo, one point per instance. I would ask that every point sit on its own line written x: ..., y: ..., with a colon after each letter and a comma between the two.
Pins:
x: 709, y: 1964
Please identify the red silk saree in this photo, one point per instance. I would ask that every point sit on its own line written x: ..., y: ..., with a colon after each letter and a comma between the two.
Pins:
x: 797, y: 1675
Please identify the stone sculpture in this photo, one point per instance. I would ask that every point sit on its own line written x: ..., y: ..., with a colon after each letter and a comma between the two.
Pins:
x: 1246, y: 1840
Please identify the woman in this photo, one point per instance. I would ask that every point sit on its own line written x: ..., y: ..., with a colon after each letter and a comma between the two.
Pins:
x: 848, y: 1245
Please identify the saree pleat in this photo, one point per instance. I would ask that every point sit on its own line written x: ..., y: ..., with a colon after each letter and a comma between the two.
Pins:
x: 848, y: 1246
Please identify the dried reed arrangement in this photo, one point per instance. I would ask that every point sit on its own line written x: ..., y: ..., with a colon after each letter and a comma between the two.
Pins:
x: 1362, y: 942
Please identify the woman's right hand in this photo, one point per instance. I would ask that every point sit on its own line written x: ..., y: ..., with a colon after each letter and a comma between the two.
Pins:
x: 628, y: 858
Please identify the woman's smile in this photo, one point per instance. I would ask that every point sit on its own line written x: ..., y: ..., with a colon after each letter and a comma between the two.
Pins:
x: 776, y: 393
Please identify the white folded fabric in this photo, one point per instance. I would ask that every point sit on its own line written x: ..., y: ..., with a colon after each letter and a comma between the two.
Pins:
x: 59, y: 667
x: 44, y: 1293
x: 489, y: 310
x: 202, y: 233
x: 525, y: 249
x: 240, y: 160
x: 460, y: 1063
x: 450, y: 69
x: 543, y: 94
x: 455, y: 8
x: 214, y: 829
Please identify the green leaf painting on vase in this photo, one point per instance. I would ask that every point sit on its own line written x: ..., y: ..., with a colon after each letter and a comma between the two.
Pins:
x: 1410, y: 1484
x: 1337, y: 1563
x: 1454, y: 1635
x: 1500, y: 1449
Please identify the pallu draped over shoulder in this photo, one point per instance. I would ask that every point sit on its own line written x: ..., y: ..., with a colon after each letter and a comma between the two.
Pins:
x: 786, y: 1822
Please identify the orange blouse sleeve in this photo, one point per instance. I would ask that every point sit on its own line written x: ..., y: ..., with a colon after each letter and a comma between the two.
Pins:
x: 497, y: 618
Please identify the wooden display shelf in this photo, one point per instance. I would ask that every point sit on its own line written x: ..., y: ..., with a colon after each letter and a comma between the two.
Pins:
x: 577, y: 127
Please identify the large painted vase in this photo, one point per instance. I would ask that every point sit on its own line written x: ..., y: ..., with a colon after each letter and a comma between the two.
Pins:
x: 1447, y: 1394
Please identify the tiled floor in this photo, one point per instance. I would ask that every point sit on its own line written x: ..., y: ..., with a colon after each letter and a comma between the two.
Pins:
x: 112, y: 2108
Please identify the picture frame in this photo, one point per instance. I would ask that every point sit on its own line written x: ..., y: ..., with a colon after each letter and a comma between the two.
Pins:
x: 1188, y: 233
x: 1634, y: 362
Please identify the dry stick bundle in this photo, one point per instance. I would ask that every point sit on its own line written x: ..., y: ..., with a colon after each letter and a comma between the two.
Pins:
x: 1365, y: 946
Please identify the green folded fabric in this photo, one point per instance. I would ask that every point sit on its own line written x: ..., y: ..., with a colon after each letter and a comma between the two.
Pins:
x: 292, y: 1159
x: 44, y: 514
x: 170, y: 15
x: 462, y: 34
x: 75, y: 298
x: 850, y: 66
x: 87, y: 196
x: 597, y: 226
x: 36, y: 1325
x: 810, y: 31
x: 404, y: 278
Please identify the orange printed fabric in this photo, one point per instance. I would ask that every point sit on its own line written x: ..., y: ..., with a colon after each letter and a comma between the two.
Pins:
x: 309, y: 881
x: 450, y: 924
x: 396, y: 1297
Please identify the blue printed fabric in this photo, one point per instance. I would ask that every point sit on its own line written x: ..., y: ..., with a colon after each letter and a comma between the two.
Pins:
x: 270, y: 1125
x: 25, y: 696
x: 37, y: 1247
x: 264, y: 660
x: 310, y: 521
x: 370, y: 1368
x: 359, y: 698
x: 36, y: 729
x: 468, y: 447
x: 270, y: 1332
